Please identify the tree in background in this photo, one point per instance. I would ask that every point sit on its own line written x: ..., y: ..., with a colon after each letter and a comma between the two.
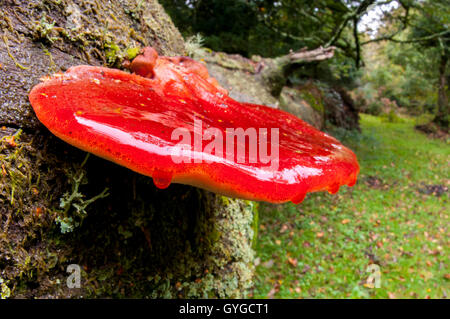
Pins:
x: 413, y: 61
x: 266, y: 27
x: 431, y: 28
x: 275, y: 28
x: 225, y: 24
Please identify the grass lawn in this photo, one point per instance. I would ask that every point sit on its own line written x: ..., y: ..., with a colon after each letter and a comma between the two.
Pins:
x: 396, y: 216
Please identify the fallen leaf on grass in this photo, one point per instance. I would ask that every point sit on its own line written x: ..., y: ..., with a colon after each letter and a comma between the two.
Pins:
x: 426, y: 275
x: 293, y: 261
x: 284, y: 227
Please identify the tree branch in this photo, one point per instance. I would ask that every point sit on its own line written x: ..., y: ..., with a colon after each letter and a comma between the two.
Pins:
x: 349, y: 16
x: 357, y: 45
x: 288, y: 35
x: 421, y: 39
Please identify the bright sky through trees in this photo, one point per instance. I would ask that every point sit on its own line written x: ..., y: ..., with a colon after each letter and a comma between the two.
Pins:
x: 371, y: 21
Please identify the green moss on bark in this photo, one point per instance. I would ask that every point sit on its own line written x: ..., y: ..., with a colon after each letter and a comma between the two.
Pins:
x: 138, y: 242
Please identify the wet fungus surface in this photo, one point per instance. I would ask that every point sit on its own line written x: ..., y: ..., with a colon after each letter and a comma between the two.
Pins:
x: 170, y: 120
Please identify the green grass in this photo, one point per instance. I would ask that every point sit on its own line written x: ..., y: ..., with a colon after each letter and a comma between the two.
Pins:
x: 322, y: 247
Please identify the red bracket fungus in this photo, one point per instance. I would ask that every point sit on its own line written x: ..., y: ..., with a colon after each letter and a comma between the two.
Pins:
x: 130, y: 119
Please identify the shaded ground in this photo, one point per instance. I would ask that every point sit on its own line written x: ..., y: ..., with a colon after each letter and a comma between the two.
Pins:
x: 397, y: 216
x: 434, y: 131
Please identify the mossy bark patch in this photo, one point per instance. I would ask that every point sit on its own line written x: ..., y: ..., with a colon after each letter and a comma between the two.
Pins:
x: 40, y: 37
x: 137, y: 242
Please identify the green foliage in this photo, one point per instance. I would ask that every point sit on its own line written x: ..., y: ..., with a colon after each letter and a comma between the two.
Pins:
x: 391, y: 117
x: 431, y: 18
x: 374, y: 108
x: 404, y: 70
x: 225, y: 24
x: 401, y: 74
x: 260, y: 27
x: 411, y: 69
x: 424, y: 118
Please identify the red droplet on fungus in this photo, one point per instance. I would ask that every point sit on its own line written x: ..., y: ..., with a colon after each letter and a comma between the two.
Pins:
x: 170, y: 120
x: 161, y: 179
x: 299, y: 197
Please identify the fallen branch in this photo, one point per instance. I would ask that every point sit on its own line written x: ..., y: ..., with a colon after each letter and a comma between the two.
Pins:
x: 318, y: 54
x: 272, y: 71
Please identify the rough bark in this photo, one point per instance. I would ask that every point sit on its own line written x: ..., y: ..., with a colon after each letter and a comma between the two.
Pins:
x: 136, y: 242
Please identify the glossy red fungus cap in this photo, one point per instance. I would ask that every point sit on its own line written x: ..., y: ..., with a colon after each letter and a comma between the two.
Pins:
x: 170, y: 120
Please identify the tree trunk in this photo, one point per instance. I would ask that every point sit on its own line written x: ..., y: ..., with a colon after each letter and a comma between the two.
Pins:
x: 272, y: 71
x: 136, y: 242
x: 442, y: 117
